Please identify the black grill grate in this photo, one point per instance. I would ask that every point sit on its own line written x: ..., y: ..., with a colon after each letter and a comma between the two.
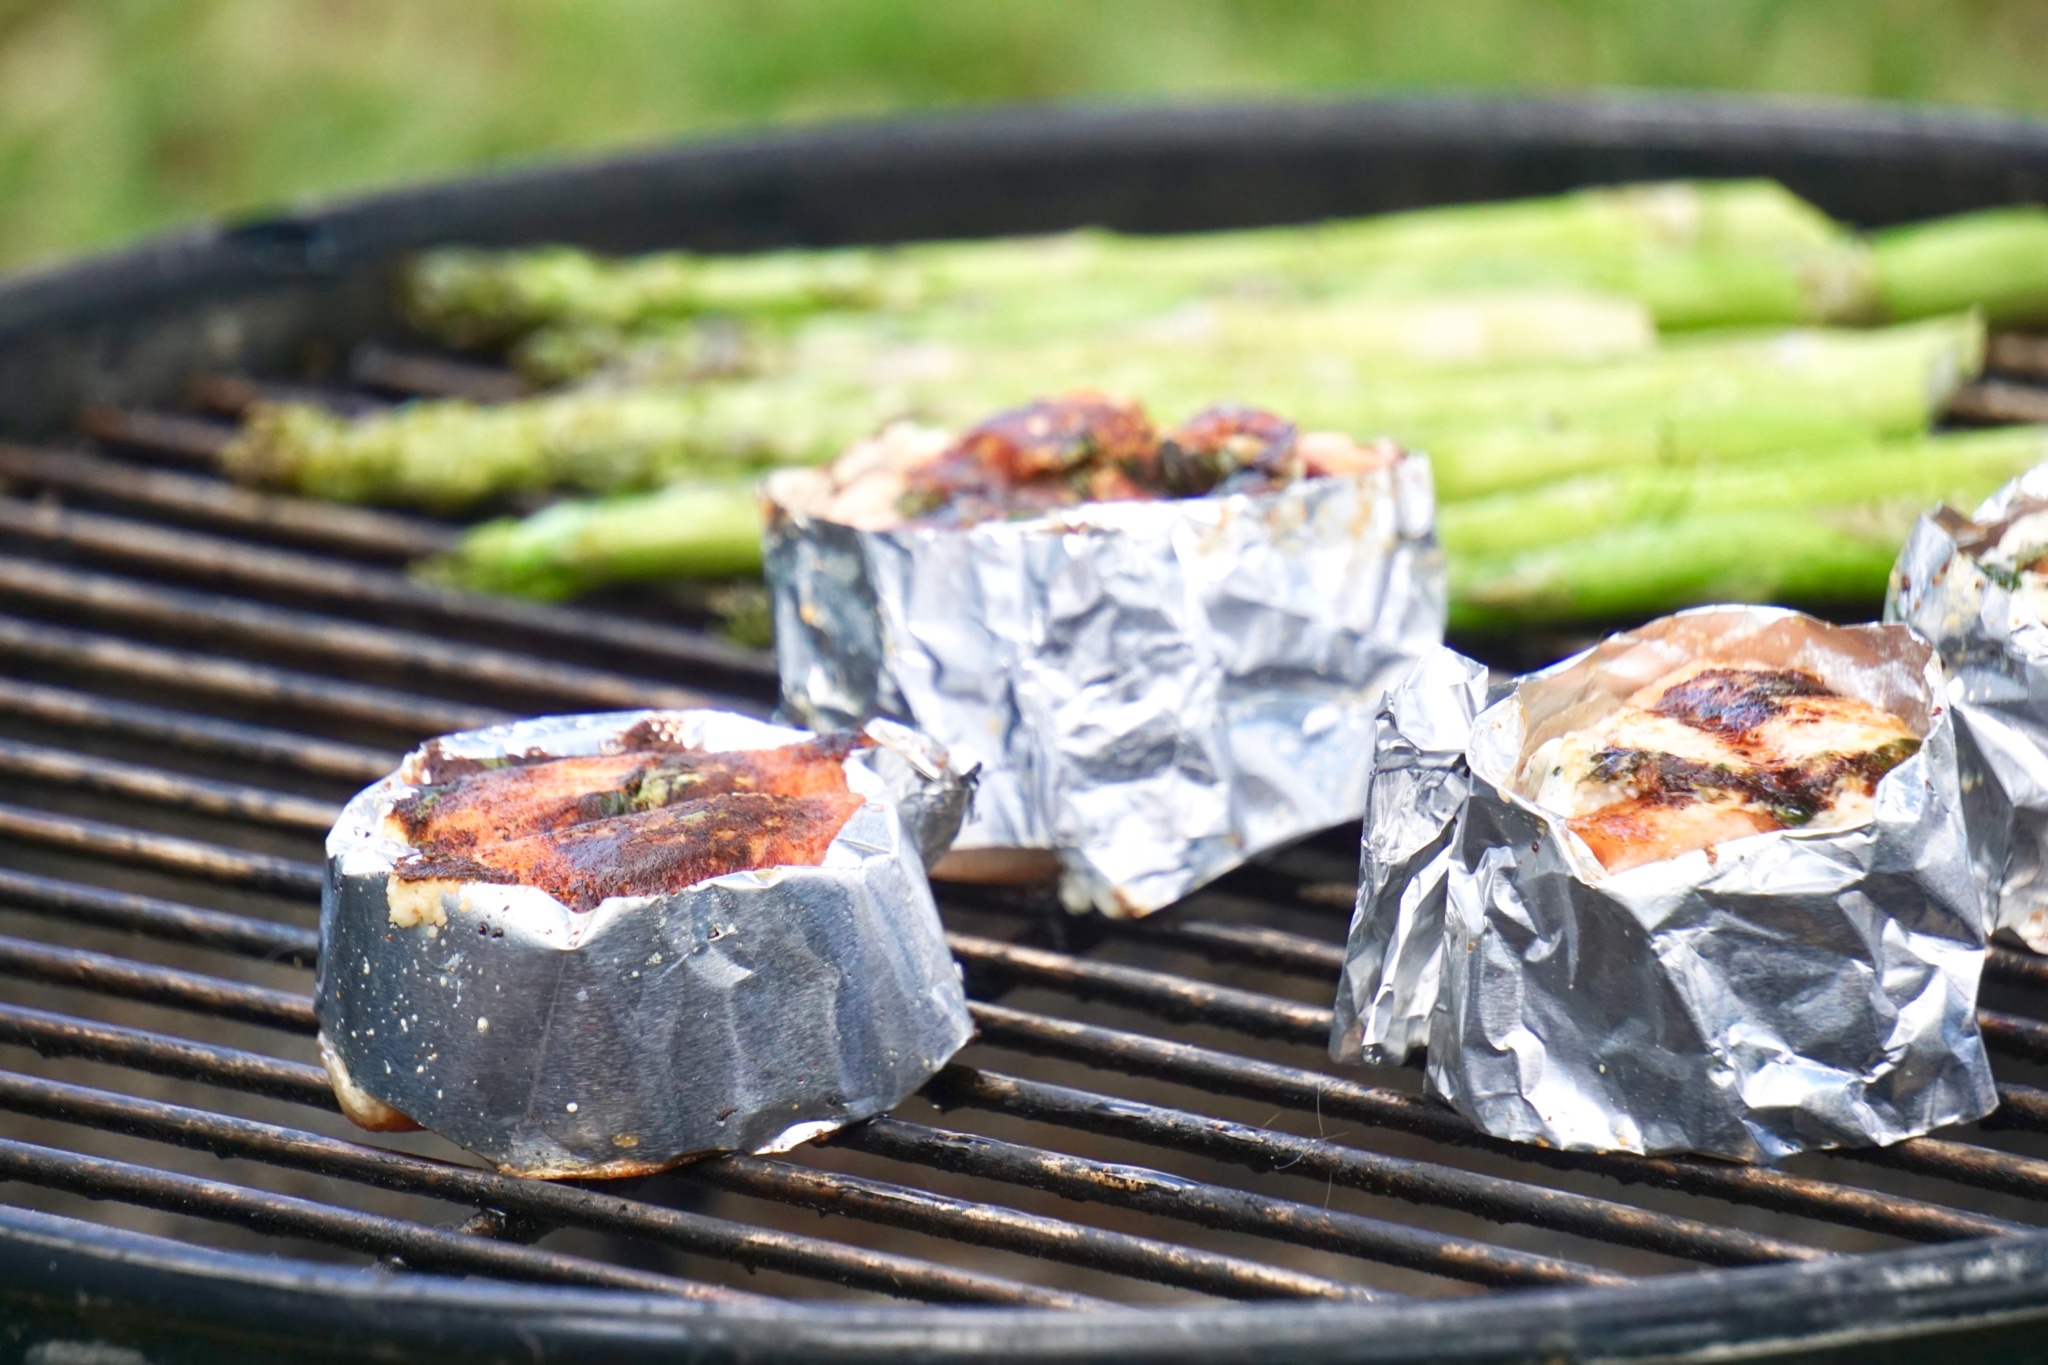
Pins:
x: 194, y: 676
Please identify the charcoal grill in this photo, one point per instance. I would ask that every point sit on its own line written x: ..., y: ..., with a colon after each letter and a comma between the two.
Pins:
x: 1143, y: 1156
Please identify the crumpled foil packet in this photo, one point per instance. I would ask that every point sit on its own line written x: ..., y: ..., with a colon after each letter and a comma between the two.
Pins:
x: 1156, y: 690
x: 1782, y: 992
x: 1393, y: 960
x: 1996, y: 650
x: 750, y: 1012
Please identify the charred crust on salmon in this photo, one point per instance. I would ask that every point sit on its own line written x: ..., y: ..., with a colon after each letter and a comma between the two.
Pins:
x: 1712, y: 751
x: 1734, y: 701
x: 652, y: 820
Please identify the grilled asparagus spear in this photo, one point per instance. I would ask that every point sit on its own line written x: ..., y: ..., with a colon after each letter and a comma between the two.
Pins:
x: 1811, y: 555
x: 1722, y: 400
x: 695, y: 528
x: 1957, y: 468
x: 1593, y: 237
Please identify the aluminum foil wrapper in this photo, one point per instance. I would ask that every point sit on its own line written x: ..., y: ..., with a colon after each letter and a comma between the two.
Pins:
x: 749, y: 1012
x: 1156, y: 690
x: 1786, y: 991
x: 1393, y: 961
x: 1996, y: 650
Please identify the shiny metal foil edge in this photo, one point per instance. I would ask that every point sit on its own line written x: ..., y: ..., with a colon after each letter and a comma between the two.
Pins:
x: 1788, y: 991
x: 750, y: 1012
x: 1417, y: 786
x: 1997, y: 657
x: 1156, y: 690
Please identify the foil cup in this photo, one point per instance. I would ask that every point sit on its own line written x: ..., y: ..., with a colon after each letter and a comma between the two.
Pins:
x: 1996, y: 650
x: 1157, y: 691
x: 1787, y: 991
x: 749, y: 1012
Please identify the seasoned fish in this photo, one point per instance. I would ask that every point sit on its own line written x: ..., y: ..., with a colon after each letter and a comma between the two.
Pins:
x: 1713, y: 751
x: 650, y: 852
x: 1069, y: 450
x: 653, y: 819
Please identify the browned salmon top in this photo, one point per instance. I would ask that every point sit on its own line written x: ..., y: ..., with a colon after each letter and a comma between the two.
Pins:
x: 1089, y: 447
x: 654, y: 819
x: 1713, y: 751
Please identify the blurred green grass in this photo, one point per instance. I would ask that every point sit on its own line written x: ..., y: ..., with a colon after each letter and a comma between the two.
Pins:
x: 118, y: 116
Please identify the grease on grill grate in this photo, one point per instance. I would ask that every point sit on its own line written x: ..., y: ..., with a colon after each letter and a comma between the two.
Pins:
x: 193, y: 676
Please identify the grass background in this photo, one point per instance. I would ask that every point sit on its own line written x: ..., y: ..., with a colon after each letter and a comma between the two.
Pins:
x: 119, y: 116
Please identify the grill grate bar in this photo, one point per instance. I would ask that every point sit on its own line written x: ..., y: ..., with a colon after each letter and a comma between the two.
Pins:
x: 2014, y: 1036
x: 874, y: 1201
x: 1212, y: 1206
x: 77, y: 902
x: 1962, y: 1162
x: 1264, y: 1149
x: 1008, y: 1229
x: 1167, y: 995
x: 194, y: 733
x: 160, y: 1054
x: 190, y: 440
x: 232, y: 395
x: 1336, y: 1098
x: 192, y: 857
x: 432, y: 376
x: 546, y: 1201
x: 358, y: 531
x: 2019, y: 1106
x: 239, y: 680
x: 285, y: 1216
x: 2018, y: 353
x: 92, y: 772
x: 1995, y: 401
x: 128, y: 979
x: 325, y: 578
x: 305, y: 634
x: 2009, y: 964
x: 1237, y: 944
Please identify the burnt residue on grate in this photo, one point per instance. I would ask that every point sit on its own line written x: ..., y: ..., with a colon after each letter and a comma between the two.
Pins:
x: 192, y: 678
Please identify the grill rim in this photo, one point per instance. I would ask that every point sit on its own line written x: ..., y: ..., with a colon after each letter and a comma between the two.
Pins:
x: 119, y: 327
x: 136, y: 1286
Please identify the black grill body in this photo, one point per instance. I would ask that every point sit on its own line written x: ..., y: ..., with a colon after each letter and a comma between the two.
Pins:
x: 189, y: 677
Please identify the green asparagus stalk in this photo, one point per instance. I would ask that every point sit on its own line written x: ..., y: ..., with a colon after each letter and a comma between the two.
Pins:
x: 1798, y: 555
x: 1995, y: 261
x: 1488, y: 431
x: 699, y: 528
x: 1957, y: 468
x: 475, y: 298
x: 1475, y: 329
